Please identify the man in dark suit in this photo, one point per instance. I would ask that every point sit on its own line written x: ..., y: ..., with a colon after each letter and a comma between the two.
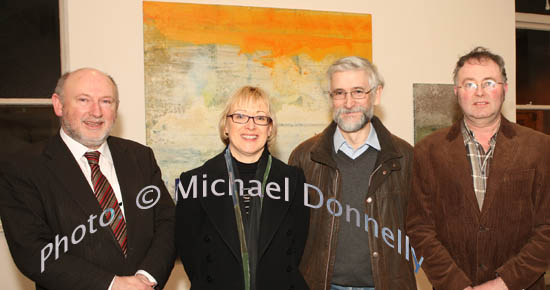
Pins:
x: 75, y: 210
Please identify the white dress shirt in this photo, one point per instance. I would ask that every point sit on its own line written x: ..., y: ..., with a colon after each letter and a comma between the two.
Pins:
x: 105, y: 164
x: 107, y: 168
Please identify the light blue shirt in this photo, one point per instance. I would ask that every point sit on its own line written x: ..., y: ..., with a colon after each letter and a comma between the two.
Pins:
x: 341, y: 144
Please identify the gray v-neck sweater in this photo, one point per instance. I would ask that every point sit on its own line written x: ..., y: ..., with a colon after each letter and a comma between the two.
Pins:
x: 353, y: 264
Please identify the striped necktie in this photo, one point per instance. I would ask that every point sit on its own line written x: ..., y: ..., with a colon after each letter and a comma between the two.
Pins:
x: 107, y: 200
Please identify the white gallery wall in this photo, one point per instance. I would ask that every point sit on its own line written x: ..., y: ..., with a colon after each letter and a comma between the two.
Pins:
x: 414, y: 41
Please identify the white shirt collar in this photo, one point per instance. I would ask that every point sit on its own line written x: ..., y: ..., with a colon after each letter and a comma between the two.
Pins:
x: 78, y: 150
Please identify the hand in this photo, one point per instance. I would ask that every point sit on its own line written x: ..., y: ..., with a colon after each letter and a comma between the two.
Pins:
x: 131, y: 283
x: 495, y: 284
x: 145, y: 280
x: 469, y: 288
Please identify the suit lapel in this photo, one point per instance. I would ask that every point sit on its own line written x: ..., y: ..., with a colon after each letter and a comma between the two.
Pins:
x: 128, y: 180
x: 505, y: 150
x: 222, y: 214
x: 220, y: 208
x: 273, y: 211
x: 67, y: 171
x: 460, y: 167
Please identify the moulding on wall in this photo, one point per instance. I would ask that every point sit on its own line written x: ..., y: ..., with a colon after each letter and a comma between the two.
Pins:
x: 532, y: 21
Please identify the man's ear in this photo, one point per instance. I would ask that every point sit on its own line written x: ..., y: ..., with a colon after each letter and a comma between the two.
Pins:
x: 379, y: 90
x: 57, y: 105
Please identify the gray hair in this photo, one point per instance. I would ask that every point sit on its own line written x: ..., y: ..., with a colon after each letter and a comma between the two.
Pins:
x: 356, y: 63
x: 60, y: 87
x: 480, y: 53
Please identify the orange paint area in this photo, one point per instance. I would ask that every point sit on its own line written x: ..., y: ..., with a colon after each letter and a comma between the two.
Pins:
x: 270, y: 32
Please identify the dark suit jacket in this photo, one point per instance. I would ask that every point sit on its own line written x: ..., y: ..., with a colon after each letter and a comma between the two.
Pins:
x: 207, y: 240
x: 462, y: 245
x: 44, y: 197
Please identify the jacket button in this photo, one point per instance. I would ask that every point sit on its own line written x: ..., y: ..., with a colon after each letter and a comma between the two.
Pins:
x: 375, y: 254
x: 291, y: 287
x: 289, y: 269
x: 289, y: 251
x: 384, y: 172
x: 369, y: 200
x: 209, y: 258
x: 207, y: 238
x: 209, y: 279
x: 289, y: 233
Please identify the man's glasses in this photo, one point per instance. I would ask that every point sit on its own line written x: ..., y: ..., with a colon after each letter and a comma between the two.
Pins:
x: 243, y: 119
x: 357, y: 93
x: 486, y: 85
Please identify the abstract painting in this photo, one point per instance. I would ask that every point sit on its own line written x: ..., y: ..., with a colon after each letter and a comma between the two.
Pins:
x: 197, y: 55
x: 435, y: 107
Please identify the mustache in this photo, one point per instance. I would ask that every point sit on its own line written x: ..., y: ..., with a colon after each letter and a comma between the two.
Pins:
x: 92, y: 119
x: 352, y: 110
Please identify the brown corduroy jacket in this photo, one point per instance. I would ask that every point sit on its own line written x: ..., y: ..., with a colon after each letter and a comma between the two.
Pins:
x: 509, y: 237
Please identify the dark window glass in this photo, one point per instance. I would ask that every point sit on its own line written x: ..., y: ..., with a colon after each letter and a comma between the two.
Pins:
x: 533, y: 6
x: 23, y: 125
x: 29, y: 48
x: 533, y: 67
x: 535, y: 119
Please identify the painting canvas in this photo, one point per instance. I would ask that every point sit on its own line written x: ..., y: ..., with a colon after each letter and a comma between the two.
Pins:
x: 197, y: 55
x: 435, y: 107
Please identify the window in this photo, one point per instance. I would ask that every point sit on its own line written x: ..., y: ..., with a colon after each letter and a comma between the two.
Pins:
x: 533, y: 64
x: 31, y: 64
x: 29, y: 48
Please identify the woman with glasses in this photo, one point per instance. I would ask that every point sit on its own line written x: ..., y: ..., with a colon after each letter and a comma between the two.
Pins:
x: 241, y: 223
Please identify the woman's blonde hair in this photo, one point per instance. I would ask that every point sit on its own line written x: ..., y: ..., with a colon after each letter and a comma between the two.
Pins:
x: 245, y: 95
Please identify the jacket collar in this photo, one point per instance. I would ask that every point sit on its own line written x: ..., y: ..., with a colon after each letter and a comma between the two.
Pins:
x: 506, y: 129
x: 321, y: 151
x: 56, y: 146
x: 217, y: 167
x: 506, y: 148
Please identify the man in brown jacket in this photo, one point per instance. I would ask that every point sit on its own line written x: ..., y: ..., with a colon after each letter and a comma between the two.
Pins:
x: 480, y: 203
x: 359, y: 182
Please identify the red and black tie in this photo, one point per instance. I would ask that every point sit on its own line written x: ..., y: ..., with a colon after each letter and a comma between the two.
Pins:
x: 107, y: 200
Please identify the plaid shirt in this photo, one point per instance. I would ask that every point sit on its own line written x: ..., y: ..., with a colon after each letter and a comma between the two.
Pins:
x: 479, y: 161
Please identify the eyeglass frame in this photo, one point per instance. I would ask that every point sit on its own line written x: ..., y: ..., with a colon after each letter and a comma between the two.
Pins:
x: 477, y: 86
x: 269, y: 119
x: 365, y: 94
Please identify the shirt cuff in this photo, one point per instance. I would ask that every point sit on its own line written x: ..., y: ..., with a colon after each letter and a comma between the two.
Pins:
x: 149, y: 277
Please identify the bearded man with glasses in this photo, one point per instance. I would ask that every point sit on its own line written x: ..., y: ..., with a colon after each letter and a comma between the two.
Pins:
x: 359, y: 163
x: 479, y: 211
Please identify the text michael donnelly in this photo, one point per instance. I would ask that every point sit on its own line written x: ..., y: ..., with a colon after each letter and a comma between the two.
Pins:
x: 219, y: 187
